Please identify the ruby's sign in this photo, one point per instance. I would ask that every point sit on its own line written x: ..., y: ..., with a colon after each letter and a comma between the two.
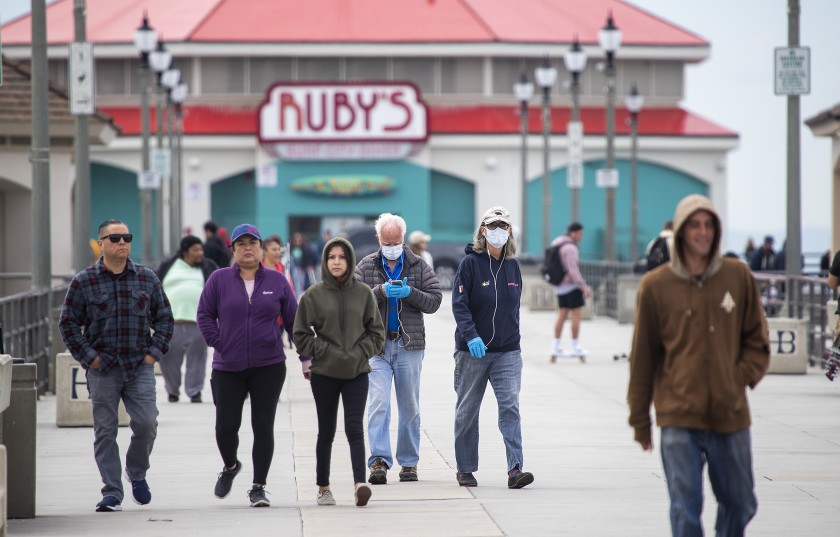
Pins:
x: 333, y: 112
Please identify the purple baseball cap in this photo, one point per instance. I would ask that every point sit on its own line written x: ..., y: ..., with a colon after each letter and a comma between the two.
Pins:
x: 245, y: 229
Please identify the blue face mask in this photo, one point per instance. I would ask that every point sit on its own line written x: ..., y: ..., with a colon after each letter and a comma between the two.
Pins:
x: 497, y: 237
x: 392, y: 253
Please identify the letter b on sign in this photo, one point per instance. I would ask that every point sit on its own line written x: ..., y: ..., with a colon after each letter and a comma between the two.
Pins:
x: 785, y: 342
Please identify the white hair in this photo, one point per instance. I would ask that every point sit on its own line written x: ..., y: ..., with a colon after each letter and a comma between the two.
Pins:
x: 388, y: 219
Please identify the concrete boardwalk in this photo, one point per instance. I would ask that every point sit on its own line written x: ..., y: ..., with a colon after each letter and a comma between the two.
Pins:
x: 591, y: 479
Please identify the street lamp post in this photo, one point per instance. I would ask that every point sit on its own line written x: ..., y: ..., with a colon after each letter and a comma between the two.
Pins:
x: 178, y: 94
x: 524, y: 90
x: 545, y: 75
x: 634, y: 103
x: 170, y: 80
x: 145, y: 40
x: 159, y: 60
x: 609, y: 38
x: 575, y: 61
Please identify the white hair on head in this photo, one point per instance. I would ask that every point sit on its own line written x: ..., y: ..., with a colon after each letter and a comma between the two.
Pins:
x: 388, y: 219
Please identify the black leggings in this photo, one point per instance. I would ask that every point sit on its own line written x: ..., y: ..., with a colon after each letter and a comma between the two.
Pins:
x: 263, y: 385
x: 353, y: 394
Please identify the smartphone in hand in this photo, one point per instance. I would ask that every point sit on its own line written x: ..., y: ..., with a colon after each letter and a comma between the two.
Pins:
x: 395, y: 283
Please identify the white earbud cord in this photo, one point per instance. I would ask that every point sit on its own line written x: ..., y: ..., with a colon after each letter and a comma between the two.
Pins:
x: 495, y: 289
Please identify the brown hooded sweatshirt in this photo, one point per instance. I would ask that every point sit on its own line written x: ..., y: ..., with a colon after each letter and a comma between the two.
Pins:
x: 698, y: 341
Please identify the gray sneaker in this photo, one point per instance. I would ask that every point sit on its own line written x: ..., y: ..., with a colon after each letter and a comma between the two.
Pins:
x: 325, y: 498
x: 257, y: 497
x: 225, y: 480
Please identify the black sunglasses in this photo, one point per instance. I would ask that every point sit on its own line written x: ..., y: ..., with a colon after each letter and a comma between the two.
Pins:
x: 494, y: 225
x: 115, y: 237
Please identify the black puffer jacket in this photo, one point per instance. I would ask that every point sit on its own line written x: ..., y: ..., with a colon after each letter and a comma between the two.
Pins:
x: 425, y: 294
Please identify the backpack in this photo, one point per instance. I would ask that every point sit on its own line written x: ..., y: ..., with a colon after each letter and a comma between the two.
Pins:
x: 552, y: 268
x: 658, y: 254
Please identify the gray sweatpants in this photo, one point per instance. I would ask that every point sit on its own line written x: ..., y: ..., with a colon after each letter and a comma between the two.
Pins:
x: 186, y: 340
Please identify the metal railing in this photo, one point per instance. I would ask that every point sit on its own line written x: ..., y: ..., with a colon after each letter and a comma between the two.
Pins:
x: 602, y: 278
x: 27, y: 324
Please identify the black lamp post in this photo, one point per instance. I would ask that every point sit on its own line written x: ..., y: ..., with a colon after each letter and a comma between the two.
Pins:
x: 524, y: 90
x: 545, y: 75
x: 634, y: 103
x: 575, y: 61
x: 609, y: 38
x: 145, y: 40
x: 159, y: 60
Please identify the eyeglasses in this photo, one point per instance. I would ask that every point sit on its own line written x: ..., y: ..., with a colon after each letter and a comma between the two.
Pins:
x: 115, y: 237
x: 494, y: 225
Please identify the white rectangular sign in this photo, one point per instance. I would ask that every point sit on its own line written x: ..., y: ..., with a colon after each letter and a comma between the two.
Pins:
x: 574, y: 172
x: 161, y: 158
x: 574, y: 176
x: 148, y: 180
x: 793, y: 70
x: 267, y: 176
x: 81, y: 76
x: 335, y: 112
x: 606, y: 178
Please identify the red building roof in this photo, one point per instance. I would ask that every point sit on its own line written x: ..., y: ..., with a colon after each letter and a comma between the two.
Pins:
x: 218, y: 120
x: 357, y: 21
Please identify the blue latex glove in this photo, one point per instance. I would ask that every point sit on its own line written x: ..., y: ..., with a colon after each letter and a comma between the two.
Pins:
x: 398, y: 291
x: 477, y: 347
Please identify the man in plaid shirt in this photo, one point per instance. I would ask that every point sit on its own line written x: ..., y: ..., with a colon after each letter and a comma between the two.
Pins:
x: 117, y: 322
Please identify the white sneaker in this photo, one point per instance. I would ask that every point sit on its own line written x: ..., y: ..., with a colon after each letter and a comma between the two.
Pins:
x: 579, y: 351
x: 325, y: 498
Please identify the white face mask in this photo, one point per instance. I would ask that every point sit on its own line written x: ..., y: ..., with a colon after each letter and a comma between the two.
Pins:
x: 392, y: 253
x: 497, y: 237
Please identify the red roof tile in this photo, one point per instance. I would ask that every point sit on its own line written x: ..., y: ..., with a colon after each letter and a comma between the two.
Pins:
x: 356, y: 21
x: 218, y: 120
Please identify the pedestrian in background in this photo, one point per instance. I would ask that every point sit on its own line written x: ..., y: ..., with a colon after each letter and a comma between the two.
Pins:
x: 183, y: 277
x: 338, y: 324
x: 116, y: 322
x: 418, y: 242
x: 485, y: 302
x: 214, y: 247
x: 571, y: 292
x: 237, y: 315
x: 405, y: 289
x: 700, y: 340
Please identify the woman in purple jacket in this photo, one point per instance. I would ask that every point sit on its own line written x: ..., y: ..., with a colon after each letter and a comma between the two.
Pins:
x: 237, y: 315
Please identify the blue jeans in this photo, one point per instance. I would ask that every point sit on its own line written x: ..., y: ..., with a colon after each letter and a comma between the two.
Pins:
x: 106, y: 389
x: 504, y: 371
x: 684, y: 453
x: 403, y: 366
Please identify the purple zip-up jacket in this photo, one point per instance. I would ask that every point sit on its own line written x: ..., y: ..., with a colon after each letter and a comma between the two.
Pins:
x: 243, y: 331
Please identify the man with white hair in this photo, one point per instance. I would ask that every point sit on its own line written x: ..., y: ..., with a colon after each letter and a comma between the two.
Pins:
x: 405, y: 288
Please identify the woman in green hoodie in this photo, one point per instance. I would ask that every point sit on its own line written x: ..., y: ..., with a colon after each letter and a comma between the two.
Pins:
x: 339, y: 325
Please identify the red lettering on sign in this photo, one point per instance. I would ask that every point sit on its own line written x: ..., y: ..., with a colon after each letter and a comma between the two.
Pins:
x: 309, y: 108
x: 396, y: 99
x: 340, y: 102
x: 287, y: 99
x: 366, y: 109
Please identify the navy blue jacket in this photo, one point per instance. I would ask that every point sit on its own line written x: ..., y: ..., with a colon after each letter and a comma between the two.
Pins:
x: 475, y: 297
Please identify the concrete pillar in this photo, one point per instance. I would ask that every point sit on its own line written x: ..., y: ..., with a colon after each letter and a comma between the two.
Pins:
x: 72, y: 400
x: 539, y: 296
x: 5, y: 383
x: 19, y: 424
x: 628, y: 286
x: 788, y: 345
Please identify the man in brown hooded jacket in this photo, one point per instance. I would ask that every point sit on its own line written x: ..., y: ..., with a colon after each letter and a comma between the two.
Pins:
x: 700, y: 339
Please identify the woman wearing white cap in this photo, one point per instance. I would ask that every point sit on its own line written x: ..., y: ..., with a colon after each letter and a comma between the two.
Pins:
x: 485, y: 302
x: 418, y: 242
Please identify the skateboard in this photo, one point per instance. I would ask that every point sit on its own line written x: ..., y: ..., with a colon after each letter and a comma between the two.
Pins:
x: 555, y: 355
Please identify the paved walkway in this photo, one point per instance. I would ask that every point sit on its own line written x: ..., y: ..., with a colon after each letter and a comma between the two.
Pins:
x: 591, y: 479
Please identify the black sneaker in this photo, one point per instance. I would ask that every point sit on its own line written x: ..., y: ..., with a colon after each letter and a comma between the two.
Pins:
x: 408, y: 473
x: 173, y: 398
x: 378, y: 472
x: 518, y: 479
x: 225, y: 480
x: 109, y: 504
x: 257, y: 497
x: 139, y: 490
x: 196, y: 398
x: 466, y: 479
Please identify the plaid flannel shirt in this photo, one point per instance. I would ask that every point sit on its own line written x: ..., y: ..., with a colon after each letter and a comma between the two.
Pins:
x: 112, y: 316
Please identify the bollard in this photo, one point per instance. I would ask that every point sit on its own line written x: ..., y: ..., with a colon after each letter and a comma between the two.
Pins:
x: 73, y: 407
x: 19, y: 425
x: 628, y: 286
x: 788, y: 345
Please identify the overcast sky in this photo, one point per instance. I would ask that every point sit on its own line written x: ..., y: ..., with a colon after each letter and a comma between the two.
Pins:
x: 734, y: 88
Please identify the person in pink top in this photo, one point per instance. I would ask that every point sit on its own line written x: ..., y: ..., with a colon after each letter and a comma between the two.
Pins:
x: 571, y: 293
